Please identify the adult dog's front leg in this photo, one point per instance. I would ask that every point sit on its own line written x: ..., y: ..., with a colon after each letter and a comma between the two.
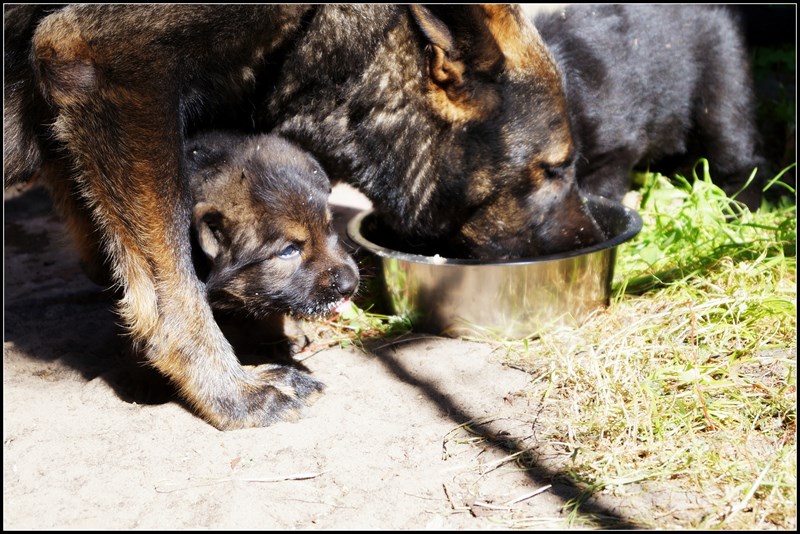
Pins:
x: 121, y: 135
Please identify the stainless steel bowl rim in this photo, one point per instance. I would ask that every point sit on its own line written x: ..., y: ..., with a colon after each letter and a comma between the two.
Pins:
x: 632, y: 229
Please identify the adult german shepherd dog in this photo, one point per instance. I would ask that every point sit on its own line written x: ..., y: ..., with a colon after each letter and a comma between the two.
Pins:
x: 453, y: 120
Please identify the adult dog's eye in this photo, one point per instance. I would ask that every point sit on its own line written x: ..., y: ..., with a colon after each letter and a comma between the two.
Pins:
x: 552, y: 172
x: 555, y: 171
x: 289, y: 252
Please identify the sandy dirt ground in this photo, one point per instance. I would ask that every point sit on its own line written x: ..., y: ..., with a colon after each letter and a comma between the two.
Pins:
x: 383, y: 448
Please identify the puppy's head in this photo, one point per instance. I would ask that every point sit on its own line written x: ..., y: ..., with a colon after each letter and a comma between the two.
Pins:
x: 262, y: 221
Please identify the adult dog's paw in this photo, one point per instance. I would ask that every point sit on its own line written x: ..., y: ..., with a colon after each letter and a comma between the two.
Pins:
x: 274, y: 393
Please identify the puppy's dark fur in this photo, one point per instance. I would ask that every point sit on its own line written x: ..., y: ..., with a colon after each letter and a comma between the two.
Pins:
x: 452, y: 119
x: 658, y: 87
x: 262, y: 222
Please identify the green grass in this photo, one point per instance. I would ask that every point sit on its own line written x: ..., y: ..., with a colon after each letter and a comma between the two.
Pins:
x: 691, y: 226
x: 694, y: 394
x: 696, y: 388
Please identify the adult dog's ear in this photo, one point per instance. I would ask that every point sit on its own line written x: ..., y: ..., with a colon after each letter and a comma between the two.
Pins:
x: 209, y: 224
x: 462, y: 60
x: 444, y: 69
x: 468, y: 48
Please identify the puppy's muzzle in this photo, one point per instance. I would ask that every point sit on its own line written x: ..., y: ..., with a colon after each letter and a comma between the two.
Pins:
x: 344, y: 280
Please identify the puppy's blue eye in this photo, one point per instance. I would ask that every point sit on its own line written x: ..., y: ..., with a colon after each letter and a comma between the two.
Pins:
x: 289, y: 252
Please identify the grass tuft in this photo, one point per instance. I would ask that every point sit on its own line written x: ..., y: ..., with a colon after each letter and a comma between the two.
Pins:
x: 690, y: 227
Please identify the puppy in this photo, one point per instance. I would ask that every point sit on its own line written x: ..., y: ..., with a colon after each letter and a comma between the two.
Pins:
x: 261, y: 219
x: 264, y: 245
x: 658, y: 87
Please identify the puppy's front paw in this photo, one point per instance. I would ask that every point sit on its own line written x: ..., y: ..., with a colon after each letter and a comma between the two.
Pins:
x: 275, y: 393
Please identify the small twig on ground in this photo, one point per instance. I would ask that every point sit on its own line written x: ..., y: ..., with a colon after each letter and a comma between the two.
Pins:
x: 449, y: 498
x: 452, y: 503
x: 738, y: 507
x: 529, y: 495
x: 709, y: 423
x: 170, y: 487
x: 509, y: 505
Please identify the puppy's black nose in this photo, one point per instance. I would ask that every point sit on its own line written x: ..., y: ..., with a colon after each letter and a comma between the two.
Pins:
x: 345, y: 281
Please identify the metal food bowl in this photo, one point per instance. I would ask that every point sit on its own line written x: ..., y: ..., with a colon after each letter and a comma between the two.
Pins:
x: 507, y: 298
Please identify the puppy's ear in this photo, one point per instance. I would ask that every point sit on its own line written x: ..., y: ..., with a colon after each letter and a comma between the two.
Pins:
x: 207, y: 153
x: 208, y: 223
x: 462, y: 57
x: 200, y: 156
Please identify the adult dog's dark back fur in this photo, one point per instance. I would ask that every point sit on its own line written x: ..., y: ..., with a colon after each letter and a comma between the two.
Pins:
x: 452, y: 119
